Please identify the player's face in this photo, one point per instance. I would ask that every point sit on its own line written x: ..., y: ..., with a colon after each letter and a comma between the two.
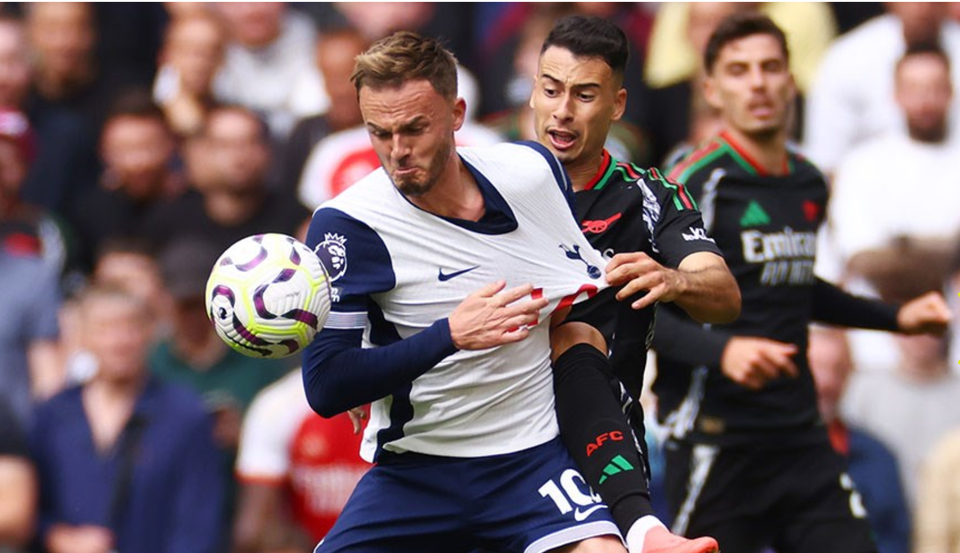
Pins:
x: 575, y: 100
x: 752, y: 87
x: 411, y: 128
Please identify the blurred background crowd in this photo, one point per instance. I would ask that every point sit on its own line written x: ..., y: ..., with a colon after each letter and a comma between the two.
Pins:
x: 138, y: 141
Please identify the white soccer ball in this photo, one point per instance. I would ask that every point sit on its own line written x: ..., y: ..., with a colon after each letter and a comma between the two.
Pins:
x: 268, y: 295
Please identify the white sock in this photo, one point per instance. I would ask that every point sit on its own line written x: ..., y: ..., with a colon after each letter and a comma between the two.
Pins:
x: 638, y: 532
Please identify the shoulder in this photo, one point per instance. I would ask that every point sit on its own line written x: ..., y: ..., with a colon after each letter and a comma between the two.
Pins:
x: 870, y: 446
x: 700, y: 162
x: 336, y: 223
x: 352, y: 250
x: 520, y: 153
x: 517, y: 154
x: 517, y: 164
x: 368, y: 189
x: 802, y: 164
x: 176, y: 402
x: 61, y: 404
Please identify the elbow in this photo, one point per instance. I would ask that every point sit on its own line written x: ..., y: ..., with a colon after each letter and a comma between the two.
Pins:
x: 324, y: 405
x: 728, y: 309
x: 731, y: 307
x: 19, y: 534
x: 323, y: 394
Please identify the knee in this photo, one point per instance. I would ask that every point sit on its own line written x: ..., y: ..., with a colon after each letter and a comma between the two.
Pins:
x: 567, y: 335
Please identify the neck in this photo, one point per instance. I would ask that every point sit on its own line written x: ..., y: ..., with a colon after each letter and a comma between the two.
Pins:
x: 768, y: 151
x: 938, y: 136
x: 232, y: 208
x: 456, y: 194
x: 58, y: 87
x: 584, y: 170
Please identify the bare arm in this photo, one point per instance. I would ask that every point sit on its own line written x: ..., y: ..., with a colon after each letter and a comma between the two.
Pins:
x: 18, y: 501
x: 702, y: 284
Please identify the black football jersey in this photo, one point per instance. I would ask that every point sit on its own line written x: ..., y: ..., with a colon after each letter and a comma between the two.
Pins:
x: 628, y: 209
x: 767, y: 228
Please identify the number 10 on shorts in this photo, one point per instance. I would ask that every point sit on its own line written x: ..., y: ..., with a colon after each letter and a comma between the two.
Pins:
x: 570, y: 492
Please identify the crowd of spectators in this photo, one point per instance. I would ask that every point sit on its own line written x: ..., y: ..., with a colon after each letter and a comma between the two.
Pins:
x: 138, y: 141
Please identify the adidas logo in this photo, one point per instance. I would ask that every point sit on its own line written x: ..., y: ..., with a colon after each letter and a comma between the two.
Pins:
x: 616, y: 465
x: 754, y: 216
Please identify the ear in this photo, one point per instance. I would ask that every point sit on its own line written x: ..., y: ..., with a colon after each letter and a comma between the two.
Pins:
x: 459, y: 113
x: 533, y: 91
x: 710, y: 93
x: 619, y: 104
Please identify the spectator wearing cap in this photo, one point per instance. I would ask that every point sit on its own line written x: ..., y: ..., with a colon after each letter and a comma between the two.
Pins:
x: 193, y: 355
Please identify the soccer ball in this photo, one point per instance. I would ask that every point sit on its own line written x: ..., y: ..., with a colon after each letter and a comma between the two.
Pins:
x: 268, y: 296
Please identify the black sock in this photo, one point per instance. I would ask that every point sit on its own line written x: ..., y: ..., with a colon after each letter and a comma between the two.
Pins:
x: 595, y: 431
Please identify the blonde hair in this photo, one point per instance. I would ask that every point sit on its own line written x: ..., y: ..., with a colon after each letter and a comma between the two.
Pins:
x: 406, y: 56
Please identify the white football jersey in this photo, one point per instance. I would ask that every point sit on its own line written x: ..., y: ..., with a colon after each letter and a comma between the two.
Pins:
x: 473, y: 403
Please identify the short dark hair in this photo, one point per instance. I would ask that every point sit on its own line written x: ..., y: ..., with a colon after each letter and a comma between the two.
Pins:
x: 924, y: 49
x: 406, y: 56
x: 135, y: 102
x: 737, y: 26
x: 125, y: 245
x: 591, y: 37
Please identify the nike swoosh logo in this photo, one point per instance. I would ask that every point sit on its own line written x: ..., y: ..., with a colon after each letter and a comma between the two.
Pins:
x: 582, y: 515
x: 455, y: 274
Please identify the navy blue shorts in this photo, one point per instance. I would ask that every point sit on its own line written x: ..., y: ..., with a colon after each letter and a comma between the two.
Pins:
x: 526, y: 502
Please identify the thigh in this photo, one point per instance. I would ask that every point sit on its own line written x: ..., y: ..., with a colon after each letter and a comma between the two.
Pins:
x: 824, y: 513
x: 602, y: 544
